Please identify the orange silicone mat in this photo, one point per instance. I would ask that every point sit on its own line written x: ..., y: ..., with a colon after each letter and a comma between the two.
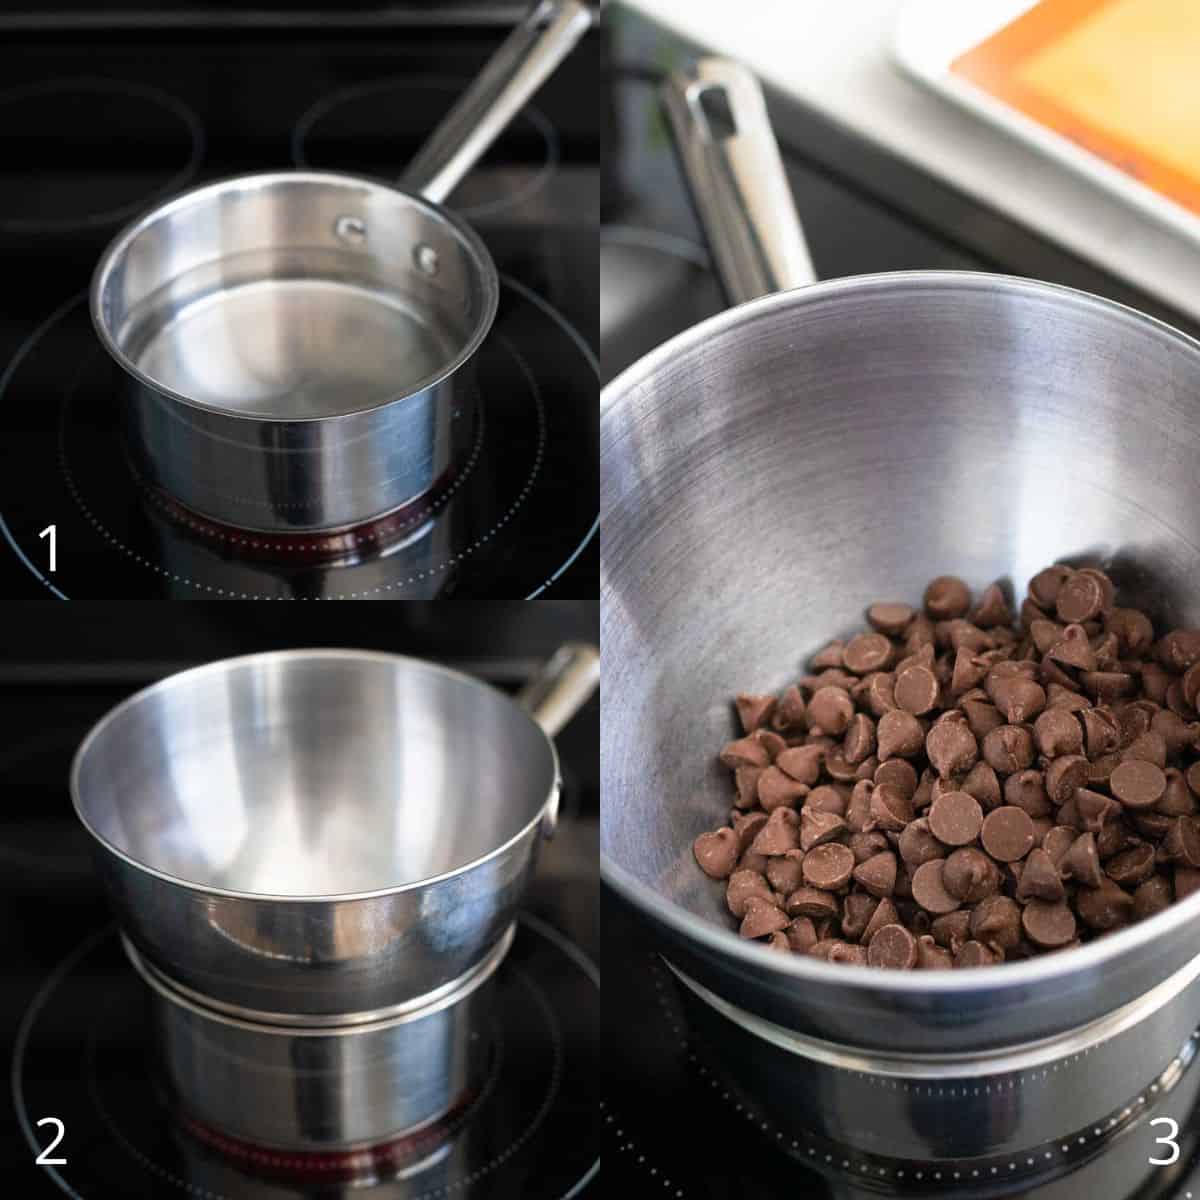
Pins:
x: 1117, y: 77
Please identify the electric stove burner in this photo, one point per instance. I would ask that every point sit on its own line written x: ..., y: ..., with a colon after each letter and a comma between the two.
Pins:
x: 53, y: 132
x: 387, y: 121
x: 520, y: 512
x: 662, y: 1064
x: 532, y: 1131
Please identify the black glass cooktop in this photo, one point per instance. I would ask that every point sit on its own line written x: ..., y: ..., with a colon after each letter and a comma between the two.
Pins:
x: 97, y: 126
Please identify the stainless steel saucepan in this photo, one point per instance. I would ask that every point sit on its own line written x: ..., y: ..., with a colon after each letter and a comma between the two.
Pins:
x: 300, y: 344
x: 771, y: 472
x: 330, y: 834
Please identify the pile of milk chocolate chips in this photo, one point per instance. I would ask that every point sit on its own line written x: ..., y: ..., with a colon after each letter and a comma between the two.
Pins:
x: 952, y: 789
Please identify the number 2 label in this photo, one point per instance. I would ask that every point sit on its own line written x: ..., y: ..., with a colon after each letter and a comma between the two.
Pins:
x: 44, y: 1159
x: 1169, y: 1140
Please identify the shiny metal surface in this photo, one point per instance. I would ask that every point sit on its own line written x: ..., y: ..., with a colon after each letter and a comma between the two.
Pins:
x: 299, y: 344
x: 528, y: 56
x: 323, y: 1088
x: 767, y: 475
x: 320, y: 832
x: 293, y: 365
x: 723, y: 135
x: 955, y: 1106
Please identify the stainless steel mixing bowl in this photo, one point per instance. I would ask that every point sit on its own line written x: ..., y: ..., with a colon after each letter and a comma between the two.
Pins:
x: 768, y: 474
x: 323, y: 832
x: 299, y: 344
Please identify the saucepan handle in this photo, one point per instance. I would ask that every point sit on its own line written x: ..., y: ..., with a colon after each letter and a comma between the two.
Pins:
x: 555, y: 694
x: 731, y: 161
x: 524, y: 61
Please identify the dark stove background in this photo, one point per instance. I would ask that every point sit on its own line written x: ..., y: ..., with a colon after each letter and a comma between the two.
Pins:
x: 667, y: 1131
x: 59, y: 675
x: 249, y: 73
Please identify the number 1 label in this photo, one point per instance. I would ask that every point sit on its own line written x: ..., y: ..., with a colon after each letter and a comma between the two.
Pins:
x: 51, y: 532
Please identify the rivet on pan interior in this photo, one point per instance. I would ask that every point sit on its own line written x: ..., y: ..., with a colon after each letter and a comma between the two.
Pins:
x: 351, y: 229
x: 426, y: 258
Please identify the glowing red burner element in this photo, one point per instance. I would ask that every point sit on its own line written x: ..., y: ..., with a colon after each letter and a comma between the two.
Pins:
x: 385, y: 1160
x: 360, y: 541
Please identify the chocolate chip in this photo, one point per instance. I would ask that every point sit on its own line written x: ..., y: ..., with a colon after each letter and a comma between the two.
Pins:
x: 1007, y: 833
x: 885, y: 913
x: 816, y: 828
x: 830, y: 709
x: 802, y: 763
x: 754, y: 711
x: 899, y: 735
x: 1179, y: 650
x: 916, y: 689
x: 1105, y: 906
x: 1149, y: 747
x: 1152, y: 897
x: 828, y: 866
x: 928, y: 889
x: 1040, y: 879
x: 1008, y: 749
x: 785, y: 872
x: 890, y: 809
x: 1027, y: 790
x: 1094, y: 810
x: 1065, y: 775
x: 778, y: 790
x: 1131, y: 867
x: 891, y: 619
x: 1021, y: 700
x: 742, y: 885
x: 955, y: 818
x: 780, y: 834
x: 981, y: 782
x: 975, y: 954
x: 1177, y: 799
x: 1073, y: 649
x: 992, y: 608
x: 717, y: 852
x: 1048, y: 923
x: 947, y: 597
x: 1138, y: 784
x: 746, y: 826
x: 867, y: 652
x: 931, y: 956
x: 827, y: 798
x: 898, y: 774
x: 982, y: 717
x: 867, y: 845
x: 951, y: 747
x: 893, y: 946
x: 1058, y: 732
x: 811, y: 902
x: 918, y: 845
x: 1186, y: 881
x: 1106, y: 686
x: 746, y: 751
x: 1046, y: 584
x: 762, y: 917
x: 1081, y: 862
x: 1080, y: 598
x: 747, y: 786
x: 830, y: 656
x: 996, y: 922
x: 859, y: 743
x: 970, y: 875
x: 1182, y: 842
x: 878, y: 874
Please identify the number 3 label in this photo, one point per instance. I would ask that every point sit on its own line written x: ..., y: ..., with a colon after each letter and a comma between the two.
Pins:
x: 1169, y: 1140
